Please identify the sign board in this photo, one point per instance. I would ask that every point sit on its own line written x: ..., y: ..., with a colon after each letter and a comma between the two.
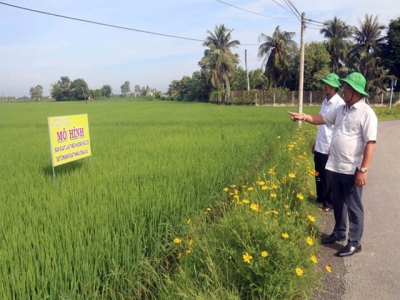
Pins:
x: 69, y: 138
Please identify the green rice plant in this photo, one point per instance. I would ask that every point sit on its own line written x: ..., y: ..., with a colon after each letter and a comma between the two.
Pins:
x: 102, y: 230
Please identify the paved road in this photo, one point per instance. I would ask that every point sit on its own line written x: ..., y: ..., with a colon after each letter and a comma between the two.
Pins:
x: 374, y: 273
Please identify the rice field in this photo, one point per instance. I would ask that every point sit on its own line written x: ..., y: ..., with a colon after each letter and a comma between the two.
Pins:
x: 86, y: 234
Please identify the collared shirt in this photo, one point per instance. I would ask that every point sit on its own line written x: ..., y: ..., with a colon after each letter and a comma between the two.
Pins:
x: 324, y: 133
x: 354, y: 127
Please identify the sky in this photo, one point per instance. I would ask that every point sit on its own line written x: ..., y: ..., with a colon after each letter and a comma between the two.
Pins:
x: 37, y: 49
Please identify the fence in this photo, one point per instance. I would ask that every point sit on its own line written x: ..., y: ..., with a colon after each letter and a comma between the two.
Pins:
x: 283, y: 97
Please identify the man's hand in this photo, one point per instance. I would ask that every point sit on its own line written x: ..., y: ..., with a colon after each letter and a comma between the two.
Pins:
x: 361, y: 179
x: 296, y: 116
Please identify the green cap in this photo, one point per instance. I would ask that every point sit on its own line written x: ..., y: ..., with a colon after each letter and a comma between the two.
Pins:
x: 357, y: 82
x: 332, y: 80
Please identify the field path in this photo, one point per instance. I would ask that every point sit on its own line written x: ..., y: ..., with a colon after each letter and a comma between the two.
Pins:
x: 374, y: 273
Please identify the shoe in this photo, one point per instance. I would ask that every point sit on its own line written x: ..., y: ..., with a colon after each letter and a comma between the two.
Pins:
x: 348, y: 250
x: 332, y: 238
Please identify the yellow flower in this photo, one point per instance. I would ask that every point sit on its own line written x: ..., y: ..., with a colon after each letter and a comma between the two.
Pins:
x: 177, y: 240
x: 179, y: 255
x: 311, y: 218
x: 225, y: 189
x: 300, y: 196
x: 233, y: 185
x: 266, y: 212
x: 271, y: 171
x: 314, y: 259
x: 188, y: 221
x: 191, y: 241
x: 246, y: 201
x: 312, y: 193
x: 288, y: 213
x: 264, y: 188
x: 292, y: 175
x: 247, y: 257
x: 299, y: 271
x: 328, y: 268
x: 244, y: 186
x: 264, y: 254
x: 255, y: 207
x: 310, y: 241
x: 275, y: 212
x: 301, y: 156
x: 188, y: 251
x: 261, y: 183
x: 250, y: 189
x: 285, y: 235
x: 273, y: 195
x: 278, y: 136
x: 286, y: 206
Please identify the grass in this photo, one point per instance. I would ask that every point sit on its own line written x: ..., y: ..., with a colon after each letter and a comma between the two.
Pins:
x: 90, y: 233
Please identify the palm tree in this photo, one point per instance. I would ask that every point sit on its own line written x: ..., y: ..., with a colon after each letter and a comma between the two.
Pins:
x: 218, y: 58
x: 276, y: 55
x: 337, y: 32
x: 368, y: 37
x: 374, y: 71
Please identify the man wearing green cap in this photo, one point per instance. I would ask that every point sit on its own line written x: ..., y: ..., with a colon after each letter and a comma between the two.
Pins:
x: 322, y: 143
x: 351, y: 151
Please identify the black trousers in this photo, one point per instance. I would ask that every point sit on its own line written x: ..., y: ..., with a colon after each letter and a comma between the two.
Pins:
x: 323, y: 180
x: 348, y: 204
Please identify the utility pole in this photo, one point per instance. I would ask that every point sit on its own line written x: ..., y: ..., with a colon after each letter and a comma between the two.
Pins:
x: 301, y: 72
x: 247, y: 71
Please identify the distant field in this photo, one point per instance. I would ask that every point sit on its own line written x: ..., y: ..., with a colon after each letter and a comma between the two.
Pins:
x: 154, y: 164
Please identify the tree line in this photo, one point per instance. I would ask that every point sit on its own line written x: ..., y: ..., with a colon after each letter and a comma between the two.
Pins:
x: 66, y: 90
x: 363, y: 48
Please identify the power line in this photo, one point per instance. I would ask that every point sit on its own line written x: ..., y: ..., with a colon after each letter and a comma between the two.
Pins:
x: 290, y: 2
x: 290, y: 7
x: 315, y: 21
x: 250, y: 11
x: 102, y: 24
x: 277, y: 3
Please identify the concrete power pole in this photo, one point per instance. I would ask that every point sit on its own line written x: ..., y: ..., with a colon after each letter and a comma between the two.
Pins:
x: 247, y: 71
x: 301, y: 72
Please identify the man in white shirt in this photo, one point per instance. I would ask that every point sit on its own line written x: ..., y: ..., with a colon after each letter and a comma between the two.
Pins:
x: 351, y: 151
x: 322, y: 143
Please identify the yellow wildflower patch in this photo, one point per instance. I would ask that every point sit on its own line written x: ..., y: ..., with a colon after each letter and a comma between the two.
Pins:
x: 328, y: 268
x: 255, y: 207
x: 264, y: 254
x: 314, y: 259
x: 311, y: 218
x: 299, y: 271
x: 285, y: 235
x: 247, y: 257
x: 177, y: 240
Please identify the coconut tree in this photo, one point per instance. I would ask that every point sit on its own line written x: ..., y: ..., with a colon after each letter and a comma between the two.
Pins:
x: 274, y: 50
x: 218, y: 59
x: 368, y: 37
x: 337, y: 33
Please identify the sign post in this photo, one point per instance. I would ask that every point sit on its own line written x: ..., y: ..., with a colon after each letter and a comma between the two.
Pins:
x: 69, y: 139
